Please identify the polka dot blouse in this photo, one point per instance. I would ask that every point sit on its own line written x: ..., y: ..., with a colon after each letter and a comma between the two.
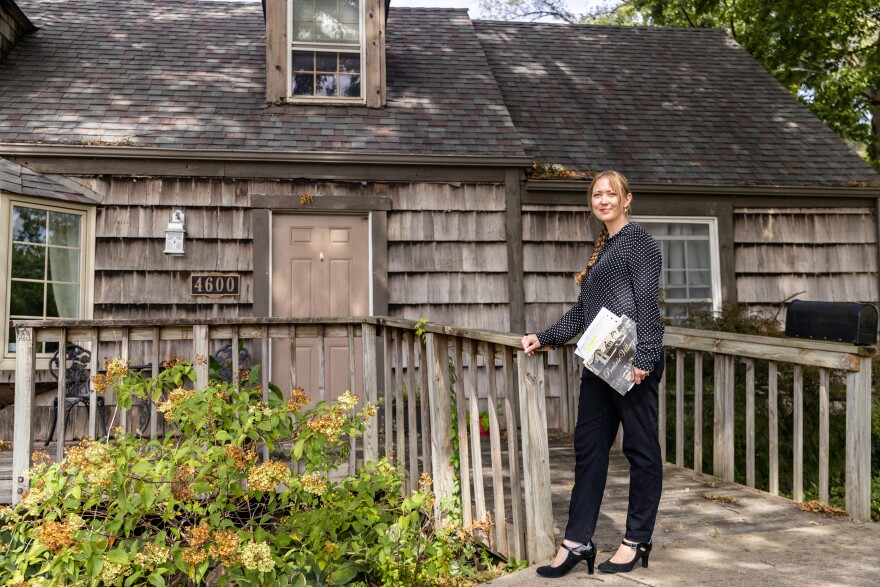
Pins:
x: 626, y: 280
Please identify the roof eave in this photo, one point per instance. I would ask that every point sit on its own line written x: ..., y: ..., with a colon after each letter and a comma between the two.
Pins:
x: 239, y: 155
x: 690, y: 189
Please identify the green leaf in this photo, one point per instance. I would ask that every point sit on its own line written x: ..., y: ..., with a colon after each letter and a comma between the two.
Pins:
x: 223, y: 436
x: 156, y: 579
x: 118, y: 556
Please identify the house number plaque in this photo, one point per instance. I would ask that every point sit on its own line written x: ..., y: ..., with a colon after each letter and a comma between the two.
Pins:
x: 215, y: 285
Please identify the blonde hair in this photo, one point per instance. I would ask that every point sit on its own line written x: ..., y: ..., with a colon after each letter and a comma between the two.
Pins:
x: 621, y: 186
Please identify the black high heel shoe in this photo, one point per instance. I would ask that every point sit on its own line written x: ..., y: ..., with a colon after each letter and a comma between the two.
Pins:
x: 643, y: 550
x: 584, y: 552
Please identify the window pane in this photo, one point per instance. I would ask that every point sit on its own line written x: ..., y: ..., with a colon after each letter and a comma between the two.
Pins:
x: 656, y: 228
x: 10, y: 342
x: 698, y: 254
x: 64, y: 229
x: 689, y: 229
x: 676, y: 277
x: 701, y: 277
x: 62, y: 301
x: 350, y: 86
x: 700, y: 293
x: 26, y: 299
x: 303, y: 10
x: 304, y: 84
x: 304, y: 32
x: 325, y: 85
x: 348, y: 11
x: 29, y: 261
x: 28, y: 225
x: 63, y: 264
x: 326, y: 62
x: 304, y: 61
x: 348, y: 32
x: 349, y: 63
x: 675, y: 293
x: 673, y: 255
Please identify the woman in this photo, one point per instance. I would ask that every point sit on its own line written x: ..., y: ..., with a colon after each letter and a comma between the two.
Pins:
x: 622, y: 275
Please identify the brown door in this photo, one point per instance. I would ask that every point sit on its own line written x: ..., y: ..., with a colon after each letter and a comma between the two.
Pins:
x: 320, y: 268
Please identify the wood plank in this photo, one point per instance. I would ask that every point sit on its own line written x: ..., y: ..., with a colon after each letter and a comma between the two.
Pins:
x: 134, y: 222
x: 411, y: 405
x: 371, y: 391
x: 277, y: 51
x: 322, y: 366
x: 802, y: 227
x: 476, y: 451
x: 770, y: 289
x: 435, y: 226
x: 201, y: 354
x: 320, y: 203
x: 540, y: 543
x: 374, y: 27
x: 425, y: 406
x: 444, y: 256
x: 562, y: 225
x: 773, y: 416
x: 661, y: 413
x: 556, y: 257
x: 352, y: 385
x: 564, y: 393
x: 201, y: 255
x: 265, y: 353
x: 679, y: 407
x: 388, y: 390
x: 729, y: 421
x: 23, y: 410
x: 441, y: 420
x: 93, y: 397
x: 464, y: 452
x: 500, y: 518
x: 750, y: 422
x: 824, y: 427
x: 828, y: 258
x: 61, y: 398
x: 698, y: 412
x: 124, y: 355
x: 514, y: 242
x: 797, y: 490
x: 445, y: 197
x: 858, y: 442
x: 834, y: 356
x: 511, y: 411
x: 399, y: 382
x: 156, y: 354
x: 449, y: 288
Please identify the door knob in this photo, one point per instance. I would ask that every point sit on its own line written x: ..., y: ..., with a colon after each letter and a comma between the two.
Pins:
x: 322, y: 257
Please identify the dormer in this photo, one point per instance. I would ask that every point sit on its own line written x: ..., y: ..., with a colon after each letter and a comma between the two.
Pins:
x: 327, y: 52
x: 13, y: 25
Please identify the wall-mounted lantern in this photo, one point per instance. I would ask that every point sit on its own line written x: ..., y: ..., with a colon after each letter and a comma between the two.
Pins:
x: 174, y: 234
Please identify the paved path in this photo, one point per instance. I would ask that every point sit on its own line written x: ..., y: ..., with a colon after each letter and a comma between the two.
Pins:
x: 758, y: 540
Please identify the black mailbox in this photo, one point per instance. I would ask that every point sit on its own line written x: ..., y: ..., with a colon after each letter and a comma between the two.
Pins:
x: 838, y: 321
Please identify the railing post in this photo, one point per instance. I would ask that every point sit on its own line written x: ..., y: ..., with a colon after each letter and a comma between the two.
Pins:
x: 23, y: 412
x: 441, y: 418
x: 371, y: 391
x: 858, y: 441
x: 536, y: 458
x: 722, y: 462
x: 200, y: 352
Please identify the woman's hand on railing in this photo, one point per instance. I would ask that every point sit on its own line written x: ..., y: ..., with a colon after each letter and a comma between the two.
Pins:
x: 530, y: 344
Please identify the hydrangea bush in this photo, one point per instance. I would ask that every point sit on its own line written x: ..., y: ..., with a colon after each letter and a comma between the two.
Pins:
x: 201, y: 506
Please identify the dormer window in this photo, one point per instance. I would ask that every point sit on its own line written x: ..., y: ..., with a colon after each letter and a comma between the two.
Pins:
x: 325, y: 52
x: 326, y: 49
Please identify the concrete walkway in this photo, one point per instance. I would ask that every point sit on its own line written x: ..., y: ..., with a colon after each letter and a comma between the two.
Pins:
x: 753, y: 539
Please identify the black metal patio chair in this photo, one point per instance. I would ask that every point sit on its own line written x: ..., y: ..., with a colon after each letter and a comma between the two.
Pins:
x: 77, y: 387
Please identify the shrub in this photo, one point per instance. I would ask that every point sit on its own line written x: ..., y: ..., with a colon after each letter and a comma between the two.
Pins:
x: 201, y: 506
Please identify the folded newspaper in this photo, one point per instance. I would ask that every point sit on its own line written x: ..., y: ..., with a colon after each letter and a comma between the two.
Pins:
x: 608, y: 348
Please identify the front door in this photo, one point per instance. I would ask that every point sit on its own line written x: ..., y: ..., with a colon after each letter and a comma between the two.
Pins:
x: 320, y: 268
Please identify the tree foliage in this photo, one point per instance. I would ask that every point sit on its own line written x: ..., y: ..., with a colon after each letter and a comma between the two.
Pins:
x: 826, y: 52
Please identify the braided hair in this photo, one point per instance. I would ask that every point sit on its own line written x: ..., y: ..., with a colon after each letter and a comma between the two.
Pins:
x: 622, y: 186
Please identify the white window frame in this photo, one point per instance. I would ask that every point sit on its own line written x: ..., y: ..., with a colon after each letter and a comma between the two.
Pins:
x: 714, y: 252
x: 330, y: 48
x: 87, y: 262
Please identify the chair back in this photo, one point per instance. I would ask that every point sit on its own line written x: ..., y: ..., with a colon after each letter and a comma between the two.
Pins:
x: 76, y: 361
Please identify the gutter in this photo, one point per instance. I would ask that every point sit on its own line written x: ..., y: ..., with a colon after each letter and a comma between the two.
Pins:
x: 93, y: 151
x: 580, y: 187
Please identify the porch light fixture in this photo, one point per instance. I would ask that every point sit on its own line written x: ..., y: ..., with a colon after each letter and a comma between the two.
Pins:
x: 174, y: 234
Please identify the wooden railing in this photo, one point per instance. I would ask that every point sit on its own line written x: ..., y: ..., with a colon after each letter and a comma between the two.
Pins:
x: 737, y: 361
x: 430, y: 390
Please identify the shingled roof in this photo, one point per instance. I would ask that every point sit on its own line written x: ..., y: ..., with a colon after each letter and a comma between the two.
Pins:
x: 15, y: 179
x: 665, y: 105
x: 189, y: 74
x: 673, y: 105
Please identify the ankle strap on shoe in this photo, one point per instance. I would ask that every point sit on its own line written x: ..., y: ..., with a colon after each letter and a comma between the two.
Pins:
x: 632, y: 544
x: 578, y: 550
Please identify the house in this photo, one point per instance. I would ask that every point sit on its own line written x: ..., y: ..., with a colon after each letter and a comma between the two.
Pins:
x: 366, y: 159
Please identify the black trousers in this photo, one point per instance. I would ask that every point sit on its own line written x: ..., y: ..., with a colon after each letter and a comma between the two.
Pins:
x: 600, y: 411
